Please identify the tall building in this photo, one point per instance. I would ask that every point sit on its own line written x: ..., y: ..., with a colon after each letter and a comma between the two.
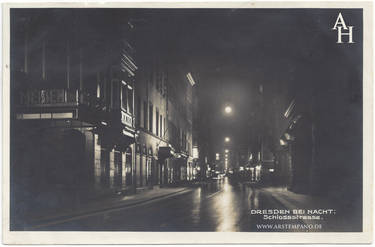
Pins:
x: 72, y: 98
x: 310, y: 127
x: 164, y: 109
x: 164, y: 120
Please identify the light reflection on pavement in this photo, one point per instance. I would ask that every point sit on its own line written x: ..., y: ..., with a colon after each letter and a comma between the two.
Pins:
x: 220, y: 206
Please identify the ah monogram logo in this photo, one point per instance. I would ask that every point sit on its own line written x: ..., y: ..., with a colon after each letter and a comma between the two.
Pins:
x: 340, y: 26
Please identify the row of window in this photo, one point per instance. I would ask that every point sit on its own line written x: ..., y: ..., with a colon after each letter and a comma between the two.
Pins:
x: 160, y: 79
x: 177, y: 137
x: 149, y: 117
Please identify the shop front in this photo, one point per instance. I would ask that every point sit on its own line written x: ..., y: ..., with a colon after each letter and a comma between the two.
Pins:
x: 116, y: 159
x: 165, y: 154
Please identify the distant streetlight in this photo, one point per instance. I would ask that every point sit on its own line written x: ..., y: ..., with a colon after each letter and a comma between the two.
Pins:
x: 228, y: 109
x: 227, y: 139
x: 226, y: 151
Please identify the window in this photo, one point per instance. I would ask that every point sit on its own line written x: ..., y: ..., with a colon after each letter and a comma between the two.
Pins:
x: 138, y: 117
x: 35, y: 58
x: 183, y: 140
x: 130, y: 100
x: 165, y: 127
x: 56, y: 57
x: 100, y: 86
x: 157, y: 122
x: 124, y: 97
x: 145, y: 114
x: 161, y: 126
x: 98, y: 89
x: 44, y: 60
x: 150, y: 117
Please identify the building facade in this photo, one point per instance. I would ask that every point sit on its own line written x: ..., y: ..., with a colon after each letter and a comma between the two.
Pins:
x: 164, y: 121
x: 72, y: 97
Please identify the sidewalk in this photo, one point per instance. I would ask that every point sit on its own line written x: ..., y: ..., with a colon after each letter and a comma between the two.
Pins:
x: 339, y: 221
x: 104, y: 204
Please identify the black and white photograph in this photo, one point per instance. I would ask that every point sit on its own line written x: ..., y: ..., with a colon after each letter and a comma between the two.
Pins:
x: 160, y: 119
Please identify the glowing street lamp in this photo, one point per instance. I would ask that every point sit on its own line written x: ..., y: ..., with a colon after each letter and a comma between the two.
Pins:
x: 227, y: 139
x: 228, y: 109
x: 226, y: 151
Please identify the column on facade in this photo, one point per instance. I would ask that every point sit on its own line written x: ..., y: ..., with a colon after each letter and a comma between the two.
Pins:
x: 111, y: 168
x: 123, y: 172
x: 97, y: 161
x: 138, y: 169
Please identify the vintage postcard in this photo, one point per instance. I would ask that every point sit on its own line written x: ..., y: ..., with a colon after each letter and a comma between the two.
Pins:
x: 187, y: 123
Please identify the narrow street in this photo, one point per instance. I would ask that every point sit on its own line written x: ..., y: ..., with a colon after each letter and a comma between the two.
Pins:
x: 213, y: 120
x: 219, y: 206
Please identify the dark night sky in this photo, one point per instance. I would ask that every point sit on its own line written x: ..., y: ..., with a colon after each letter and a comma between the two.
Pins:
x: 234, y: 50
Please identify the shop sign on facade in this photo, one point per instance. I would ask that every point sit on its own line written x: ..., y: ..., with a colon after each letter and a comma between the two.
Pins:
x: 47, y: 97
x: 126, y: 119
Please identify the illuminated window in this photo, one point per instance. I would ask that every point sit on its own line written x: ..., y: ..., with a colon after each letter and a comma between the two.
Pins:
x: 98, y: 90
x: 130, y: 99
x: 124, y: 97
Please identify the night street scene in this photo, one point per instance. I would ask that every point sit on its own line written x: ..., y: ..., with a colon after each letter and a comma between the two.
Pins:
x: 195, y: 120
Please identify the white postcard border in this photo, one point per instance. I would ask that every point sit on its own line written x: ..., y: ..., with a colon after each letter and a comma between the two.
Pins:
x: 24, y: 237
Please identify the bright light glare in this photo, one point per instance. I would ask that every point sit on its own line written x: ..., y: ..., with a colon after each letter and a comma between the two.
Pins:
x: 228, y: 109
x: 227, y: 139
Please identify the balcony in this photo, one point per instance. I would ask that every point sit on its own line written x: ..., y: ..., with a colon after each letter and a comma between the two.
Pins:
x: 123, y: 122
x: 50, y: 104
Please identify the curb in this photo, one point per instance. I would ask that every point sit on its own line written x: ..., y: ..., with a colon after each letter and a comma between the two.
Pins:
x: 67, y: 217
